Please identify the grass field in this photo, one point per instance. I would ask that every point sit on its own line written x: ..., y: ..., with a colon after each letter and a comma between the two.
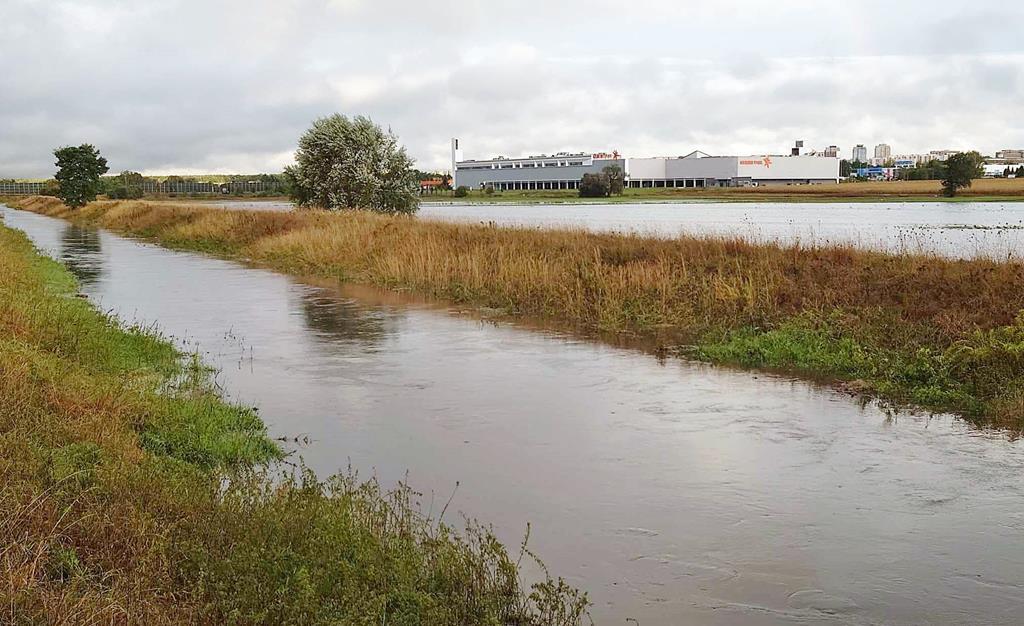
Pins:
x: 130, y: 493
x: 938, y: 333
x: 982, y: 190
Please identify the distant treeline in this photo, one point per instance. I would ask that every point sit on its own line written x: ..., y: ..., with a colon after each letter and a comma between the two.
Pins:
x: 132, y: 185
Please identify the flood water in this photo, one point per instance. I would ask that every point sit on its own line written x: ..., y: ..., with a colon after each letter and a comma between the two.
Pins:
x: 967, y: 229
x: 674, y: 493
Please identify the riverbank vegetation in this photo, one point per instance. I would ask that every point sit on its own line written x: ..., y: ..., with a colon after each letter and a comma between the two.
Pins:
x: 130, y: 493
x: 938, y: 333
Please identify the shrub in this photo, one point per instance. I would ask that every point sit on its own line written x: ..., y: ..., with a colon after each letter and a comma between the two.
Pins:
x: 594, y: 186
x: 344, y: 163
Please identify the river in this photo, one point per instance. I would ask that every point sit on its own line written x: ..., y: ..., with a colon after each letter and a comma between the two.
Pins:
x: 673, y: 492
x: 959, y: 229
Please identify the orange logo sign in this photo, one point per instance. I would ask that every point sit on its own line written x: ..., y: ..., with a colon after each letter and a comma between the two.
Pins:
x: 767, y: 162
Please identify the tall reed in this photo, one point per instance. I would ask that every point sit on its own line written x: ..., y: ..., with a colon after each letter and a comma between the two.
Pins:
x: 726, y: 295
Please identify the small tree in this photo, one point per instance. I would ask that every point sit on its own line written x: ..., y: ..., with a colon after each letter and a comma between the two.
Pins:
x: 461, y: 191
x: 352, y: 164
x: 78, y: 174
x: 961, y: 168
x: 127, y: 186
x: 616, y: 179
x: 1020, y: 172
x: 594, y: 186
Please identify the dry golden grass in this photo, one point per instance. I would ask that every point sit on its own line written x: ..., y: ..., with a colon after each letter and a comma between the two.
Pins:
x: 606, y: 281
x: 900, y: 321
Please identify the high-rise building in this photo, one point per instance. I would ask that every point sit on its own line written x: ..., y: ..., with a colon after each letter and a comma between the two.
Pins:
x: 860, y: 153
x: 832, y: 151
x: 941, y: 155
x: 883, y: 151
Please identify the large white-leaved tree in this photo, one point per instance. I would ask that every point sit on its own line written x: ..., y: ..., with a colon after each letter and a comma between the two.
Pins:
x: 344, y: 163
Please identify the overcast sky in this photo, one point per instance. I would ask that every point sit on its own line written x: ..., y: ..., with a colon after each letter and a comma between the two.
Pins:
x: 190, y: 86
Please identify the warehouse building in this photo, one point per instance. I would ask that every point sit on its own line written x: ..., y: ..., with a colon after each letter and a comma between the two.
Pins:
x: 695, y: 170
x: 557, y: 171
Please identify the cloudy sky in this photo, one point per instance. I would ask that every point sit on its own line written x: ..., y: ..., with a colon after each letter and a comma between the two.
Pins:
x: 191, y: 86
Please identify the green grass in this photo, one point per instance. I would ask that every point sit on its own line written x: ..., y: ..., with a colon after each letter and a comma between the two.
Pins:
x: 130, y: 492
x: 979, y: 374
x: 895, y: 326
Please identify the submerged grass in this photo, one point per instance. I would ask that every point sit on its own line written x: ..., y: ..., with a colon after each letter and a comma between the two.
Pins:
x: 130, y: 493
x: 912, y: 328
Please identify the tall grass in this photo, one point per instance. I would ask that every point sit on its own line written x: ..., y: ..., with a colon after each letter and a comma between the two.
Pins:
x: 131, y: 494
x: 915, y: 320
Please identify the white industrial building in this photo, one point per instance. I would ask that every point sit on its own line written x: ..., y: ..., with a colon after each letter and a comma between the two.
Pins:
x: 695, y: 170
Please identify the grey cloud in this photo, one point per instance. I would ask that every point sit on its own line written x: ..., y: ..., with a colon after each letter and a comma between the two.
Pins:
x: 229, y: 86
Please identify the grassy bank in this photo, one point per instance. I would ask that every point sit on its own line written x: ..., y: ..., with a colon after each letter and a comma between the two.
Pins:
x: 938, y: 333
x: 982, y: 190
x: 130, y: 493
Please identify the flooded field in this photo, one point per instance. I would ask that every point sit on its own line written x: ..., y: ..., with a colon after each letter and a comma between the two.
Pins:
x: 962, y: 229
x: 673, y: 492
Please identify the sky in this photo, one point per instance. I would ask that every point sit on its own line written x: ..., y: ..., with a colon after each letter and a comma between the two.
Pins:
x: 228, y: 86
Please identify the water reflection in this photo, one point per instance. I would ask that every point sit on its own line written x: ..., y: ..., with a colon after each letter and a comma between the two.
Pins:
x: 339, y: 320
x: 672, y: 492
x: 82, y: 252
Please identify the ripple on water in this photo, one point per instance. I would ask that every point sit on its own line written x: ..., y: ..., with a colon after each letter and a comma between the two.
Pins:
x: 818, y: 600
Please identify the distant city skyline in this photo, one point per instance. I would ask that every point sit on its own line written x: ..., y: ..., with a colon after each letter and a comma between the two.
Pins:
x: 186, y: 87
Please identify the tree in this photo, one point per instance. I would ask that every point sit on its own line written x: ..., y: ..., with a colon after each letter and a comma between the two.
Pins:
x: 295, y: 189
x: 961, y: 168
x: 845, y: 169
x: 127, y: 186
x: 1020, y: 172
x: 78, y: 174
x: 352, y: 164
x: 594, y: 186
x: 616, y: 179
x: 461, y: 191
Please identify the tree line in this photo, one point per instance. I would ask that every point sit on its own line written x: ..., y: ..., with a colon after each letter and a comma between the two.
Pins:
x: 341, y: 163
x: 956, y: 172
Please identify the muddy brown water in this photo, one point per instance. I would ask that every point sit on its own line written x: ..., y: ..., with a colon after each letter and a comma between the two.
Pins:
x: 674, y: 493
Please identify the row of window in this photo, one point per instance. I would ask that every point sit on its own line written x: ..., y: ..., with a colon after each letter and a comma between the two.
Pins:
x: 506, y: 166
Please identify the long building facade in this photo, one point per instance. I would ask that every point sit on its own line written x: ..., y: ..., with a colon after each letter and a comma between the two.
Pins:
x: 695, y: 170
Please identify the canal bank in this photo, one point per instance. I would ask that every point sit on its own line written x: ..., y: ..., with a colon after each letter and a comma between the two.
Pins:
x: 132, y: 492
x: 913, y: 329
x: 673, y: 492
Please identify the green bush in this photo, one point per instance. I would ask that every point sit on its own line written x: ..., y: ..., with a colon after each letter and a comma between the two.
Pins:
x: 595, y: 186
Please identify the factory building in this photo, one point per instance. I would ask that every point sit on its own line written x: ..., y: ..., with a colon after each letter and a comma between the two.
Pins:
x: 558, y: 171
x: 695, y: 170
